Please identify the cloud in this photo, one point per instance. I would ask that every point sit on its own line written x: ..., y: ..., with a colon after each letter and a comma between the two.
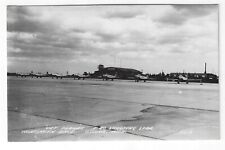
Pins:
x: 62, y: 45
x: 196, y: 10
x: 30, y: 36
x: 47, y: 46
x: 21, y: 19
x: 122, y: 14
x: 172, y: 39
x: 182, y: 13
x: 25, y: 25
x: 176, y: 36
x: 172, y: 19
x: 107, y: 37
x: 18, y: 12
x: 179, y: 51
x: 85, y: 36
x: 135, y: 54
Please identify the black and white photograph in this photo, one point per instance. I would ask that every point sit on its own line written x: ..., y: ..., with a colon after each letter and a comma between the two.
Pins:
x: 105, y: 72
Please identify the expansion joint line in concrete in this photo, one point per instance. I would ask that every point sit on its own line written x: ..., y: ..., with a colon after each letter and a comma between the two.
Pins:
x: 172, y: 106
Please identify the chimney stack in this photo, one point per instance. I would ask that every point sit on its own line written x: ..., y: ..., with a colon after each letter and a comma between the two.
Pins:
x: 205, y: 68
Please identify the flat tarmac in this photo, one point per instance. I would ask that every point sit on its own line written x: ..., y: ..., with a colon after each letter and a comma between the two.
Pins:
x: 71, y: 110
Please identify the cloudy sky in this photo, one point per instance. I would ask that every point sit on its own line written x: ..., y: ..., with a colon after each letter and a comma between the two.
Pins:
x: 151, y: 38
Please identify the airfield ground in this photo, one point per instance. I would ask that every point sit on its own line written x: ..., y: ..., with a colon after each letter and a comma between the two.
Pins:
x: 70, y: 110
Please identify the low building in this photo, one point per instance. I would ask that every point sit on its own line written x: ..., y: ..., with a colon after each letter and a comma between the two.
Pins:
x: 205, y: 77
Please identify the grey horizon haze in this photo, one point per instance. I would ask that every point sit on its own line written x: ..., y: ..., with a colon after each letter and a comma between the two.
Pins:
x: 151, y: 38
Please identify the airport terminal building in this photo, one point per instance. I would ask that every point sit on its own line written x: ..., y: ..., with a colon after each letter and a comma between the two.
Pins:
x: 122, y: 73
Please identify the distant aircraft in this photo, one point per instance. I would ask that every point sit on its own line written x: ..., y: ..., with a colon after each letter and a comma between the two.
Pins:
x: 182, y: 78
x: 56, y: 75
x: 140, y: 77
x: 79, y: 76
x: 23, y: 75
x: 52, y: 75
x: 108, y: 77
x: 37, y: 75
